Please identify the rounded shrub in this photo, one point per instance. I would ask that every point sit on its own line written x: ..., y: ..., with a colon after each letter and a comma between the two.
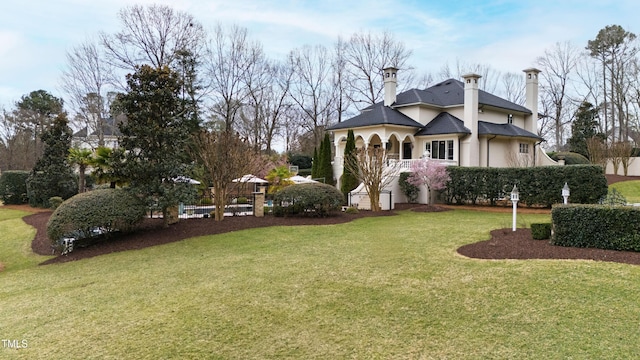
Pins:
x: 314, y: 199
x: 570, y: 158
x: 96, y: 212
x: 55, y: 202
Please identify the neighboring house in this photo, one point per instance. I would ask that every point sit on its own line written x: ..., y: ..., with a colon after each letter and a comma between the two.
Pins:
x: 452, y: 122
x: 110, y: 132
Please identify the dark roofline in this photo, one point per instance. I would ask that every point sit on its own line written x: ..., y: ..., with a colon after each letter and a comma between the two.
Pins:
x: 507, y: 130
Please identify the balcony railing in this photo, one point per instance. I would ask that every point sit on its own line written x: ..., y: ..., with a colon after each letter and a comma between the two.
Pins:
x: 405, y: 164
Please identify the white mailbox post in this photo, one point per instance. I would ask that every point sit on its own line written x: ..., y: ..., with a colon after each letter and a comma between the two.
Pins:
x: 515, y: 197
x: 565, y: 193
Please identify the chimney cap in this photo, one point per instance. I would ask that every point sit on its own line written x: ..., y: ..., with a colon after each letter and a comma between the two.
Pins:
x: 390, y: 68
x: 471, y: 75
x: 534, y: 70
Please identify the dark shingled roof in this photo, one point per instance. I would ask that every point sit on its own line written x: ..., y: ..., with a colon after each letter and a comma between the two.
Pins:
x: 109, y: 128
x: 444, y: 123
x: 451, y: 92
x: 378, y: 115
x: 487, y: 128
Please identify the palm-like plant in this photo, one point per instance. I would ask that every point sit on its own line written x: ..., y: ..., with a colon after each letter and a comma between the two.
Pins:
x: 279, y: 178
x: 82, y: 158
x: 103, y: 163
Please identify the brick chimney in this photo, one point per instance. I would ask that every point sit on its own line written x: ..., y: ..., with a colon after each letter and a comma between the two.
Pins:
x: 390, y: 83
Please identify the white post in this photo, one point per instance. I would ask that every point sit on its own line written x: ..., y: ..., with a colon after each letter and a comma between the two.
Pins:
x: 565, y: 193
x: 515, y: 196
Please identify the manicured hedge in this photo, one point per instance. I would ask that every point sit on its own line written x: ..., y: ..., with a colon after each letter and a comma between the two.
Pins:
x: 541, y: 231
x: 13, y: 187
x: 596, y: 226
x: 108, y: 210
x: 538, y: 186
x: 314, y: 199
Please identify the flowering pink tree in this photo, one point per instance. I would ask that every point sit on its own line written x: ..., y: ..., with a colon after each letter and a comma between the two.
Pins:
x: 431, y: 174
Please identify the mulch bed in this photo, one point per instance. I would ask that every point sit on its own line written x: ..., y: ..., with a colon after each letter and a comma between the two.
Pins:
x: 504, y: 243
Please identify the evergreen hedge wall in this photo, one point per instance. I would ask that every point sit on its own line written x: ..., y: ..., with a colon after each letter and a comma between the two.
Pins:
x: 596, y: 226
x: 538, y: 186
x: 13, y: 187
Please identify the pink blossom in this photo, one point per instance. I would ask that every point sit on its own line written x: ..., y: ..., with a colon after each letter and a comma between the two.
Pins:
x: 430, y: 173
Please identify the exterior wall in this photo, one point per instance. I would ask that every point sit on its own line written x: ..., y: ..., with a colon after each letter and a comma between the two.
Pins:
x: 91, y: 142
x: 499, y: 117
x: 421, y: 144
x: 634, y: 168
x: 421, y: 114
x: 542, y: 159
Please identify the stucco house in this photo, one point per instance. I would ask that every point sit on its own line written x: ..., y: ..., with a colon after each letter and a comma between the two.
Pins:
x: 110, y: 135
x: 453, y: 122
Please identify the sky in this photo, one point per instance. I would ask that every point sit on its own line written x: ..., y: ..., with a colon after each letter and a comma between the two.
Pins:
x: 35, y: 35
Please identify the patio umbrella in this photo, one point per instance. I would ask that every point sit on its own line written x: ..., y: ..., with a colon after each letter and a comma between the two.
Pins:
x: 297, y: 179
x: 250, y: 179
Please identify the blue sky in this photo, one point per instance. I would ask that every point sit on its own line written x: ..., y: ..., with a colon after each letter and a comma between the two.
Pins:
x: 507, y: 35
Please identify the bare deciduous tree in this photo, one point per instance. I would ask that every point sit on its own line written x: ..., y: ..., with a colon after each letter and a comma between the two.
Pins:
x: 598, y: 151
x: 263, y: 114
x: 489, y: 77
x: 225, y: 157
x: 86, y: 81
x: 514, y: 88
x: 620, y: 154
x: 230, y: 62
x: 558, y: 65
x: 312, y: 90
x: 152, y: 35
x: 375, y: 171
x: 365, y: 55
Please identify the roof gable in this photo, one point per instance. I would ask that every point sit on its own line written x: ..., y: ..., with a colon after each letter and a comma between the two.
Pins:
x: 377, y: 115
x: 444, y: 123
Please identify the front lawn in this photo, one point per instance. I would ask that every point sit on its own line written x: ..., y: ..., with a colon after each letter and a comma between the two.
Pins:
x: 629, y: 189
x: 386, y: 287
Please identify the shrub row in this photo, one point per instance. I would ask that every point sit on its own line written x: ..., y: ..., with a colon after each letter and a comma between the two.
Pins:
x: 95, y: 212
x: 13, y: 187
x: 538, y: 186
x: 596, y: 226
x: 314, y: 199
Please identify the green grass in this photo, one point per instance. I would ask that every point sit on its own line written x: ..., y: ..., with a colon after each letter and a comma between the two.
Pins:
x: 629, y: 189
x: 377, y: 288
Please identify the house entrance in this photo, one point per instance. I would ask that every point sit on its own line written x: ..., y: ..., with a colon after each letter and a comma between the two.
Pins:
x: 406, y: 151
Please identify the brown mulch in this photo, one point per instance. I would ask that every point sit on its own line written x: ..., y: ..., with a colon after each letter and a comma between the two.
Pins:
x: 504, y: 243
x: 151, y: 232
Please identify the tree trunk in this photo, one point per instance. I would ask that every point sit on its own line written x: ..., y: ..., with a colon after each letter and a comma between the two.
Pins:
x: 219, y: 201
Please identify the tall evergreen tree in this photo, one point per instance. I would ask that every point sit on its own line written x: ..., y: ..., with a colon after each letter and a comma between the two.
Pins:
x: 584, y: 127
x: 155, y: 137
x: 325, y: 163
x: 52, y: 175
x: 314, y: 163
x: 349, y: 179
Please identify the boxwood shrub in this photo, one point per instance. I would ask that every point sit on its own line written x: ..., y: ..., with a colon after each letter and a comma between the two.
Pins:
x: 596, y: 226
x: 314, y: 199
x: 99, y: 211
x: 13, y: 187
x: 541, y: 231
